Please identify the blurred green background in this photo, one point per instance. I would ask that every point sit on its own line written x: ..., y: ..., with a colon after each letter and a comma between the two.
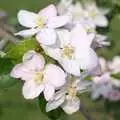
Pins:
x: 12, y: 104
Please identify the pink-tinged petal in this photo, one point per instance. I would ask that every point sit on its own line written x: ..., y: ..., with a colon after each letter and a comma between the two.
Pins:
x: 46, y: 36
x: 105, y: 78
x: 19, y: 71
x: 33, y: 60
x: 27, y: 19
x: 96, y: 71
x: 80, y: 38
x: 55, y: 75
x: 27, y: 33
x: 31, y: 89
x: 48, y: 12
x: 58, y: 21
x: 71, y: 66
x: 49, y: 91
x: 88, y: 59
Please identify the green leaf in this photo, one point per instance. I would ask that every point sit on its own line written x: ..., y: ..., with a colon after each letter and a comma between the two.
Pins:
x: 18, y: 50
x: 116, y: 76
x: 5, y: 79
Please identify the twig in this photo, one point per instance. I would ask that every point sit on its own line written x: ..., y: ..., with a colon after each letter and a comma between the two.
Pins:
x: 85, y: 113
x: 7, y: 35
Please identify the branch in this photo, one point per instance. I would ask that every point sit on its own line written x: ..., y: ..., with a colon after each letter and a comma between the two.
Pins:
x: 7, y: 35
x: 85, y: 113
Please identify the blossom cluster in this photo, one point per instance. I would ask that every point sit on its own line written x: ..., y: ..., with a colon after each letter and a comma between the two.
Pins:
x: 66, y: 33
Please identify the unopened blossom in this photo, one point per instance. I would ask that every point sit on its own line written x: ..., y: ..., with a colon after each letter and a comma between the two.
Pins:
x: 73, y: 50
x: 42, y: 24
x: 37, y: 77
x: 96, y: 14
x: 67, y: 98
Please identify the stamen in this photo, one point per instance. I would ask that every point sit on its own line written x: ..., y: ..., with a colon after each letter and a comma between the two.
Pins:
x: 68, y: 51
x: 38, y: 78
x: 40, y: 22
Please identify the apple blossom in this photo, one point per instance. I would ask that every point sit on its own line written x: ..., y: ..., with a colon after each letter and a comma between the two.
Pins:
x: 43, y: 24
x: 66, y: 97
x: 73, y: 50
x: 95, y: 14
x: 38, y: 77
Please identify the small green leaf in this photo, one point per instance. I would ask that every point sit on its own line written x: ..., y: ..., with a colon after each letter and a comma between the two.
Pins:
x: 18, y: 50
x: 116, y: 76
x: 88, y: 78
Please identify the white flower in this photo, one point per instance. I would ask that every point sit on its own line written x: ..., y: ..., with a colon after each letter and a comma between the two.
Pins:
x: 43, y: 24
x: 73, y: 51
x: 95, y: 14
x: 67, y: 98
x: 37, y: 76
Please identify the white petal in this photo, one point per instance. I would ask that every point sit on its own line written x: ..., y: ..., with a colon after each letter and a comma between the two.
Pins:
x: 55, y: 75
x: 71, y: 106
x: 88, y: 59
x: 52, y: 52
x: 71, y: 66
x: 49, y: 91
x: 48, y: 12
x: 33, y: 60
x: 27, y: 33
x: 46, y: 36
x: 51, y: 105
x: 27, y: 19
x: 58, y: 21
x: 80, y: 38
x: 19, y: 71
x: 101, y: 21
x: 64, y: 37
x: 31, y: 90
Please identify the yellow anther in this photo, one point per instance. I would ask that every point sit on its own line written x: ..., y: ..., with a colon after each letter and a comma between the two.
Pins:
x: 39, y: 77
x: 68, y: 51
x: 40, y: 22
x: 72, y: 92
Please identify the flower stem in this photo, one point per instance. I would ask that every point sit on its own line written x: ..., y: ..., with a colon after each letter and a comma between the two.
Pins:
x: 85, y: 113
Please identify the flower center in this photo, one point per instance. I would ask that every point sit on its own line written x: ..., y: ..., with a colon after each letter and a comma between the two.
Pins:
x: 38, y: 78
x: 68, y: 51
x: 40, y: 22
x: 72, y: 92
x: 92, y: 14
